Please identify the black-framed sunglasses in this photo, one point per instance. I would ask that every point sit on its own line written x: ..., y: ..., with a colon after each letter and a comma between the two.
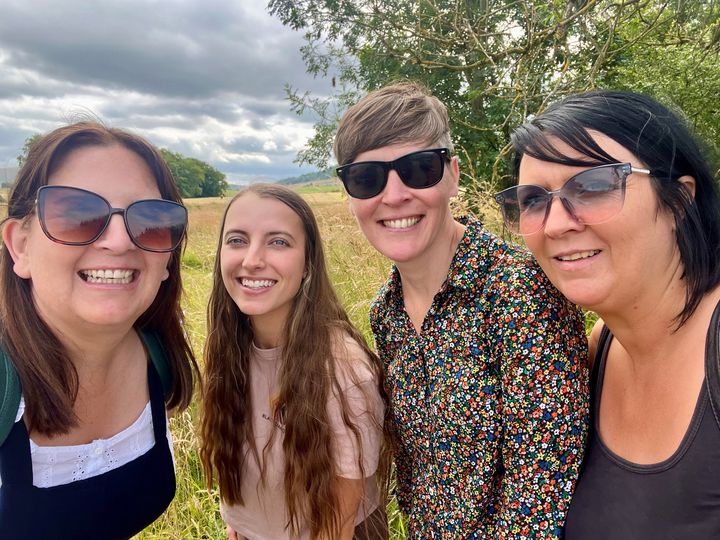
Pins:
x: 78, y: 217
x: 591, y: 197
x: 417, y: 170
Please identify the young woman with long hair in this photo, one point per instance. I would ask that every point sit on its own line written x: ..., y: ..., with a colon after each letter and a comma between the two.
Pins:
x: 293, y: 412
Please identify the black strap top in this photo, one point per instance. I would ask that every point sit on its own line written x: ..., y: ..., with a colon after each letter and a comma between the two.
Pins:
x: 114, y: 506
x: 678, y: 498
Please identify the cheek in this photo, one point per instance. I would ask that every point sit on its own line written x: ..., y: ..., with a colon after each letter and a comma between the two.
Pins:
x: 362, y: 210
x: 534, y: 244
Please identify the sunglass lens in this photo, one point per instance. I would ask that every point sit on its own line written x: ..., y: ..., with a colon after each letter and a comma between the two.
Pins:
x: 156, y: 225
x: 72, y: 216
x: 596, y: 195
x: 421, y: 169
x: 364, y: 180
x: 523, y: 208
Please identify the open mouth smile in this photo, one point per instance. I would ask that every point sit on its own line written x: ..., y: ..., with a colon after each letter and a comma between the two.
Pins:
x: 402, y: 223
x: 579, y: 255
x: 257, y: 283
x: 119, y: 277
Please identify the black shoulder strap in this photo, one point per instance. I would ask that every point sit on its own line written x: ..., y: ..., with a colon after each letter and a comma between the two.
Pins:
x: 9, y: 395
x: 10, y: 382
x: 158, y: 358
x: 712, y: 363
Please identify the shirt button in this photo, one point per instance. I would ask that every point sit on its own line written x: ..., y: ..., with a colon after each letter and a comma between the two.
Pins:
x: 98, y: 451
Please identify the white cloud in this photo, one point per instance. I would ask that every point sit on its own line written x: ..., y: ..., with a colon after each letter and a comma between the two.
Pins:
x: 201, y: 77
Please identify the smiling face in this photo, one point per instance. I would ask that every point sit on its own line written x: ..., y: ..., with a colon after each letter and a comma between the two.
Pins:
x: 405, y: 224
x: 110, y: 282
x: 613, y: 266
x: 262, y: 260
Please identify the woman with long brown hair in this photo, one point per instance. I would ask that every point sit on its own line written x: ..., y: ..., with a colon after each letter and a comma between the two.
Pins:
x: 91, y: 336
x: 293, y: 413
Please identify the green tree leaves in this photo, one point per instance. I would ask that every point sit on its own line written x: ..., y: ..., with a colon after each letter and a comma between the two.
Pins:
x: 495, y: 63
x: 193, y: 177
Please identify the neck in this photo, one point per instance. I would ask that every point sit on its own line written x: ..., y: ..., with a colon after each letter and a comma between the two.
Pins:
x: 268, y: 330
x: 425, y: 275
x: 649, y: 333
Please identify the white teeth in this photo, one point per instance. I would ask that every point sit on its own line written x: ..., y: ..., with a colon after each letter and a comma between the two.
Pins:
x: 401, y: 223
x: 257, y: 283
x: 579, y: 255
x: 108, y: 276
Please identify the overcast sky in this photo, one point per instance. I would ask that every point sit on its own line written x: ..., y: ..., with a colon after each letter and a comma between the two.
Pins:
x: 200, y: 77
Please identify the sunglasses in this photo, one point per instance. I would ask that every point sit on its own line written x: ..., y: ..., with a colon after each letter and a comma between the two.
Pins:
x: 77, y: 217
x: 417, y: 170
x: 591, y: 197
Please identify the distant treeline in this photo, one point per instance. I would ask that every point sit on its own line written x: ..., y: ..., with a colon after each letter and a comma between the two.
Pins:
x: 309, y: 177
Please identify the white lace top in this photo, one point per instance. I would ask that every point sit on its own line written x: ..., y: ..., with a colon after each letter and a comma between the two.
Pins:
x: 57, y: 465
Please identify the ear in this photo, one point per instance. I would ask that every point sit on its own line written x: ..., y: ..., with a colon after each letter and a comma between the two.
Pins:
x: 688, y: 182
x: 350, y: 206
x: 15, y: 237
x: 165, y: 275
x: 454, y: 170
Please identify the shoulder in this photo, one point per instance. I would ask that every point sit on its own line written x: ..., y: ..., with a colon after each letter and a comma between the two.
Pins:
x: 353, y: 365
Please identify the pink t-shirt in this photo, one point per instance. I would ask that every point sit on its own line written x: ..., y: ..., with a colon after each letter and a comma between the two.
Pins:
x: 264, y: 514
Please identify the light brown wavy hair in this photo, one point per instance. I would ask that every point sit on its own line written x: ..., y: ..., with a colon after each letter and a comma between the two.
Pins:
x: 48, y: 378
x: 307, y: 381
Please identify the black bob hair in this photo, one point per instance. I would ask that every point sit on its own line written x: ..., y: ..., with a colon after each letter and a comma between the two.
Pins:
x: 663, y: 142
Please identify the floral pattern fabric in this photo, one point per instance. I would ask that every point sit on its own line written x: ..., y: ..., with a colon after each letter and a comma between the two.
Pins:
x: 489, y: 402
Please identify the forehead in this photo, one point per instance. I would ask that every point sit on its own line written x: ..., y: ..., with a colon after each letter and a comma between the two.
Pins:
x: 264, y: 215
x: 536, y: 171
x: 111, y: 171
x: 391, y: 152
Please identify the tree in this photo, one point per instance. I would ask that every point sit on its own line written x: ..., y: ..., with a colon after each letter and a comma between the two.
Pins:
x: 495, y: 63
x: 193, y: 177
x: 29, y: 142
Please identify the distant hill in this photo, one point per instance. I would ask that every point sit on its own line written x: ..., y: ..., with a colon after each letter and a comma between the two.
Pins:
x: 327, y: 174
x: 7, y: 175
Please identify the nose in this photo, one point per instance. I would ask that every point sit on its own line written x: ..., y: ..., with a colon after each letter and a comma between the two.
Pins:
x: 560, y: 218
x: 395, y: 191
x: 254, y: 256
x: 115, y: 237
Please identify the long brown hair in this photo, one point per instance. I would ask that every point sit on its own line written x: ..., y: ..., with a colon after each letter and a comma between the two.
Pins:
x: 48, y: 378
x: 307, y: 381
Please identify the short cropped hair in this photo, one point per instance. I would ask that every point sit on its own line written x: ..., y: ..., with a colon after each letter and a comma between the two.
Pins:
x: 664, y: 143
x: 399, y: 113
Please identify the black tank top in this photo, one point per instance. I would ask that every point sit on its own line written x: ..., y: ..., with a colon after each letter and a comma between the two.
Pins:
x: 676, y: 499
x: 112, y: 506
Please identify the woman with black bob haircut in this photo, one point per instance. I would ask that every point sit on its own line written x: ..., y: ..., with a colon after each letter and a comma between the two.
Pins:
x: 634, y: 236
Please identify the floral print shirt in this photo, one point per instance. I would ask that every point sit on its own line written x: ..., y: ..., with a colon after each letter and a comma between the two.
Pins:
x: 489, y: 403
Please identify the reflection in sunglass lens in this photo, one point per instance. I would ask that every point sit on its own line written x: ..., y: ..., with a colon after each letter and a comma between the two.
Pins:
x: 78, y: 217
x: 72, y: 216
x: 156, y: 225
x: 590, y: 197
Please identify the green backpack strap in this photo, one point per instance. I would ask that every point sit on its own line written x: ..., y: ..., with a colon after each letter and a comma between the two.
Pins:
x: 9, y: 395
x: 158, y: 358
